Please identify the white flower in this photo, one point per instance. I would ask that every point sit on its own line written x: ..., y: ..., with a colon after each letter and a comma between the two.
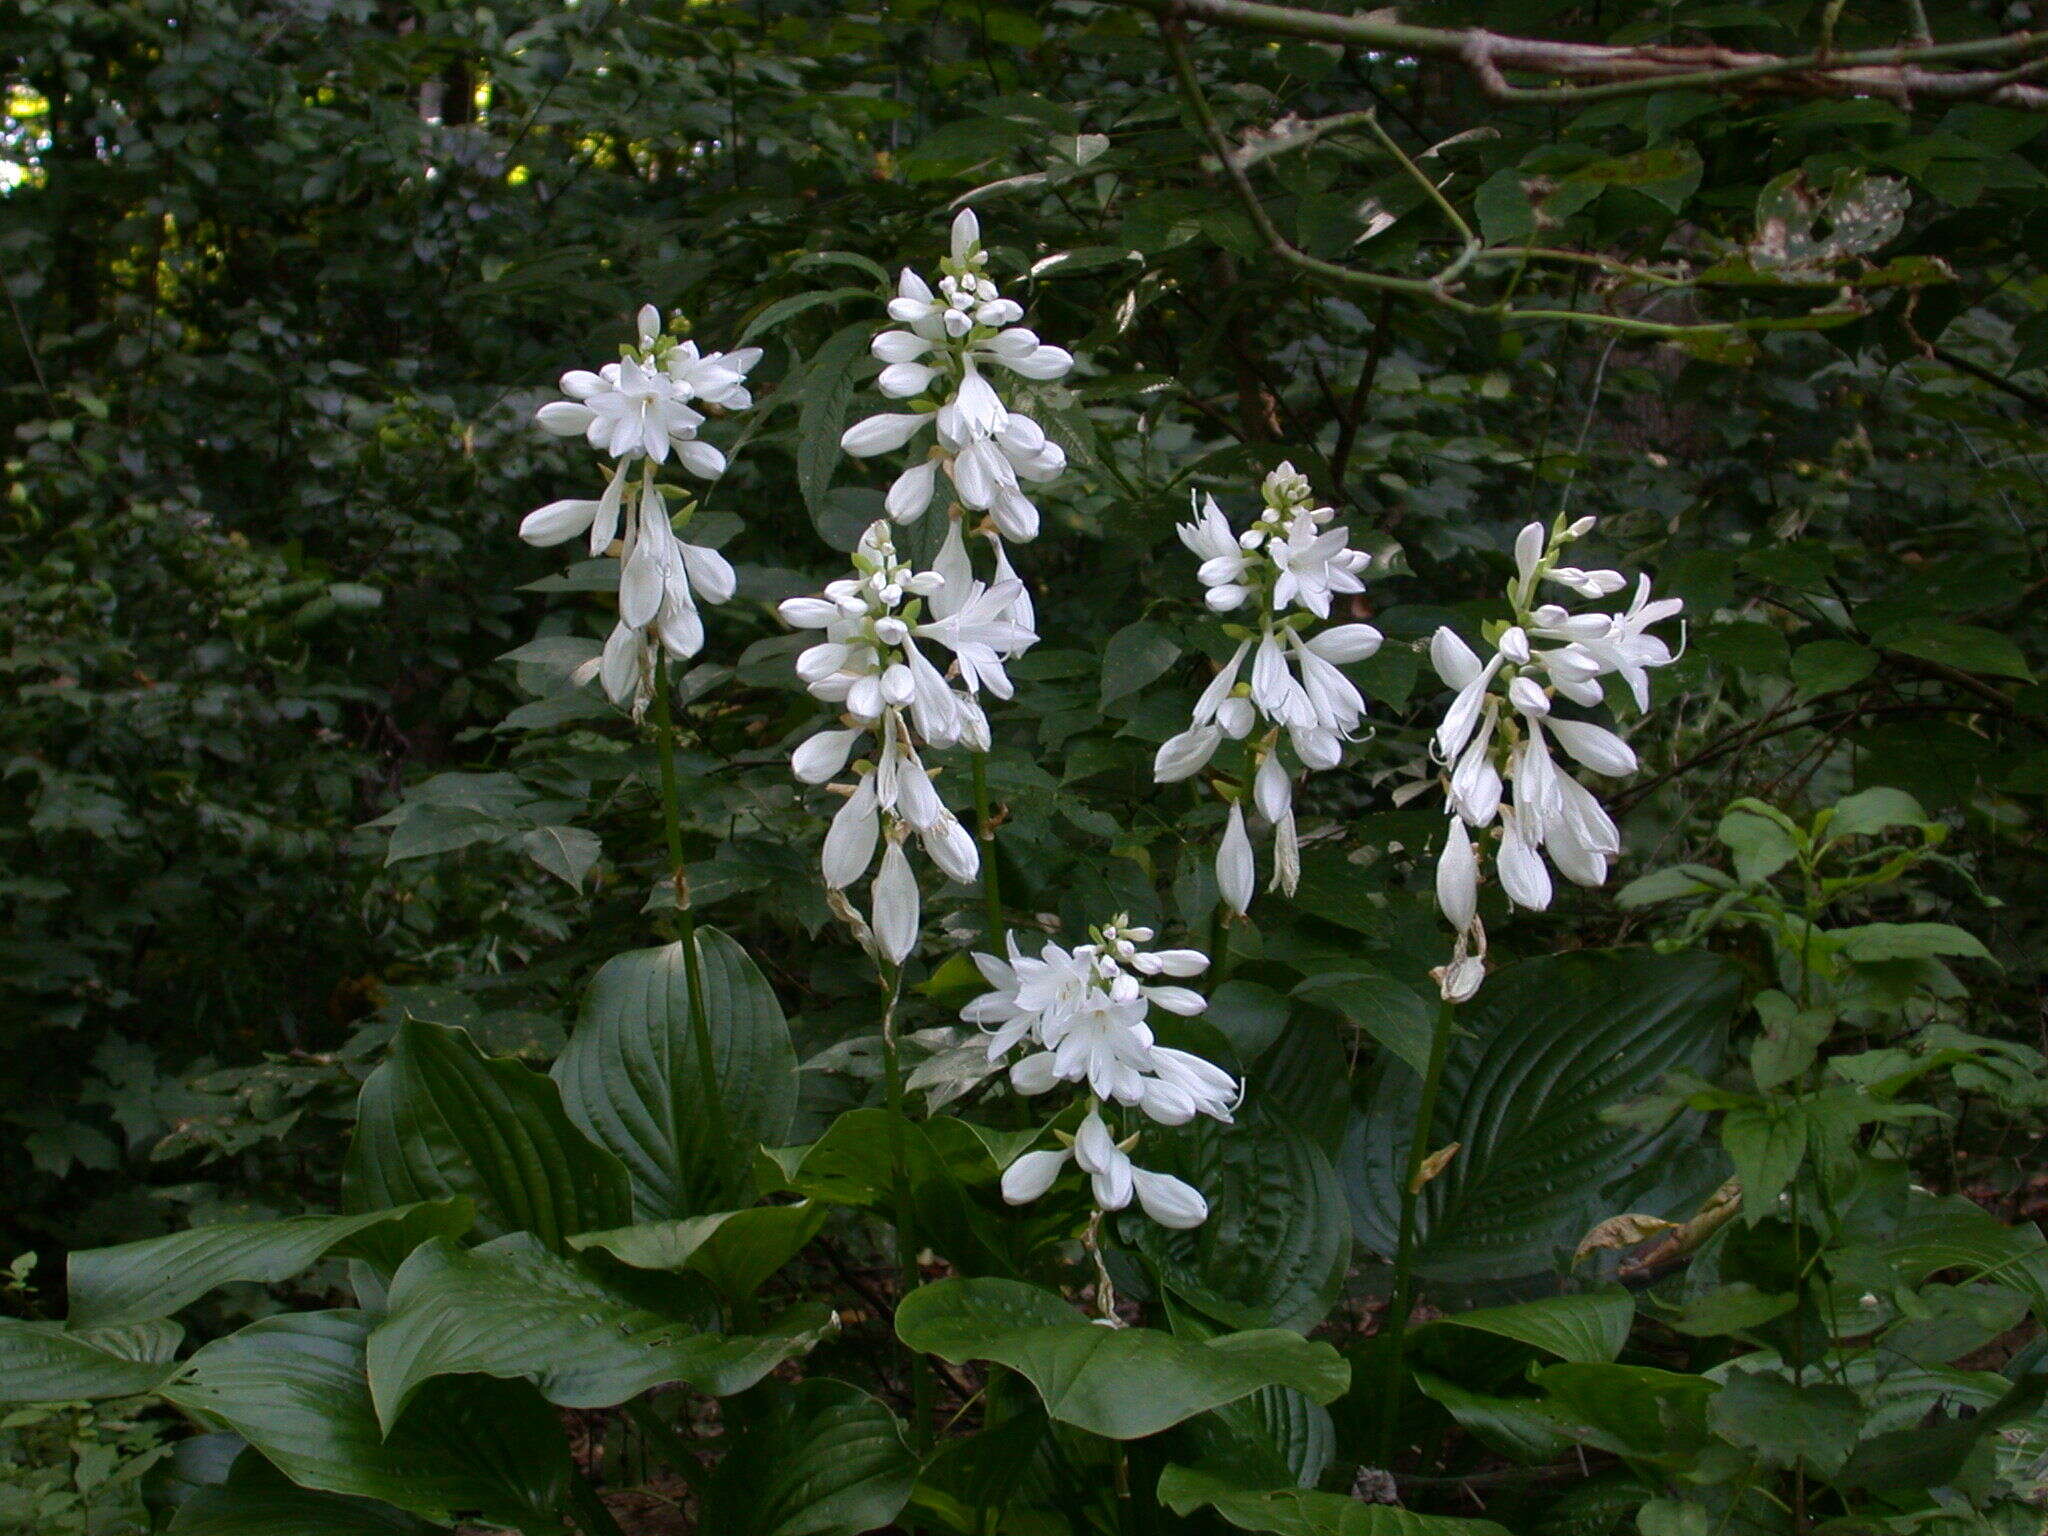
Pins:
x: 1457, y: 877
x: 895, y: 919
x: 1236, y: 876
x: 640, y: 406
x: 947, y: 338
x: 1031, y: 1175
x: 1313, y: 565
x: 1169, y: 1201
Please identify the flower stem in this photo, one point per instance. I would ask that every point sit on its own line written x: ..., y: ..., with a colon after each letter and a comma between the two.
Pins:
x: 991, y: 877
x: 729, y: 1174
x: 900, y: 1197
x: 1403, y: 1299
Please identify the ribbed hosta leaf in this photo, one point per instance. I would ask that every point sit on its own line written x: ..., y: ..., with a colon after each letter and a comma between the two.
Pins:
x: 1272, y: 1253
x: 630, y: 1076
x: 294, y: 1388
x: 735, y: 1250
x: 257, y: 1500
x: 829, y: 1461
x: 1549, y: 1044
x: 441, y: 1118
x: 1119, y: 1382
x: 513, y: 1309
x: 1589, y: 1328
x: 45, y: 1363
x: 157, y: 1276
x: 1303, y: 1511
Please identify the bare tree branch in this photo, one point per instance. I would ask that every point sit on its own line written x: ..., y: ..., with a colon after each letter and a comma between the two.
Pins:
x: 1898, y: 74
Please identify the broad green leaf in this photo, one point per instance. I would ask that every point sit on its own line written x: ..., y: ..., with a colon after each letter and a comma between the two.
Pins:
x: 1121, y: 1382
x: 1823, y: 666
x: 258, y: 1500
x: 770, y: 315
x: 440, y: 1118
x: 1588, y: 1328
x: 1767, y: 1143
x: 1678, y: 881
x: 1869, y: 942
x: 1952, y: 1233
x: 513, y: 1309
x: 1874, y: 810
x: 46, y: 1363
x: 293, y: 1387
x: 565, y: 852
x: 735, y: 1250
x: 1965, y: 647
x: 1393, y: 1013
x: 1761, y: 844
x: 1790, y: 1039
x: 1544, y: 1049
x: 1631, y: 1409
x: 1273, y: 1251
x: 1814, y: 1426
x: 1932, y: 1453
x: 1249, y: 1015
x: 828, y: 385
x: 157, y: 1276
x: 1136, y: 655
x: 1273, y: 1438
x: 1526, y: 1429
x: 631, y: 1078
x: 828, y: 1460
x: 1303, y: 1511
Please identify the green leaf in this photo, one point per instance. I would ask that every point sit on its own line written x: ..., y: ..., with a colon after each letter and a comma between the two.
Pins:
x: 1546, y: 1047
x: 565, y: 852
x: 1249, y: 1015
x: 1273, y: 1251
x: 735, y: 1250
x: 1814, y: 1426
x: 1874, y: 810
x: 1680, y: 880
x: 632, y: 1080
x: 1273, y: 1438
x: 1767, y: 1143
x: 1393, y: 1013
x: 770, y: 315
x: 1136, y: 655
x: 293, y: 1387
x: 513, y: 1309
x: 1121, y: 1382
x: 440, y: 1118
x: 828, y: 1460
x: 828, y: 386
x: 1760, y: 841
x: 258, y: 1500
x: 157, y: 1276
x: 1588, y: 1328
x: 1869, y: 942
x: 1631, y: 1410
x: 45, y: 1363
x: 1505, y: 214
x: 1303, y: 1512
x: 1824, y: 666
x: 1791, y: 1038
x: 1528, y: 1431
x: 1966, y: 647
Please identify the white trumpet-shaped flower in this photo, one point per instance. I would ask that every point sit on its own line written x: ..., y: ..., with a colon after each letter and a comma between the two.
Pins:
x: 638, y: 410
x: 945, y: 343
x: 1495, y: 739
x: 1080, y: 1016
x: 1288, y: 559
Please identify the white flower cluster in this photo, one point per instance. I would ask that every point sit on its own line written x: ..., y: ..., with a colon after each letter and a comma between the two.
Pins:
x: 870, y: 663
x: 1084, y: 1009
x: 639, y: 409
x: 935, y: 361
x: 1495, y: 739
x: 1289, y: 558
